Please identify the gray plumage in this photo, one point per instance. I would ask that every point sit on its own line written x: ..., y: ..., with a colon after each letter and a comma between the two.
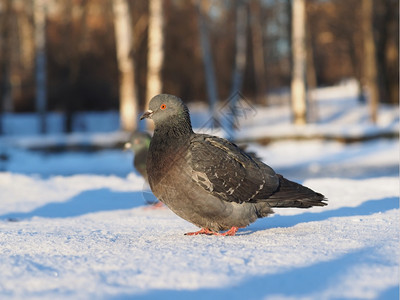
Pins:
x: 139, y: 143
x: 208, y: 180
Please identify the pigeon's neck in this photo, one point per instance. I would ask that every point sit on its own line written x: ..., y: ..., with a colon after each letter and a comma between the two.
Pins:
x: 167, y: 147
x: 174, y: 131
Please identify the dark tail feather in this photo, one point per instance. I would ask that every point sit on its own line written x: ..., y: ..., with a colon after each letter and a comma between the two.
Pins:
x: 292, y: 194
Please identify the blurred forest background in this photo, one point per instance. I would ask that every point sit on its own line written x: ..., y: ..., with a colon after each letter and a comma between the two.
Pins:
x: 82, y: 55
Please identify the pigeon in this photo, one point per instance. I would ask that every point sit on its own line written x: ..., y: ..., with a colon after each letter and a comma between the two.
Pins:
x: 208, y: 180
x: 139, y: 143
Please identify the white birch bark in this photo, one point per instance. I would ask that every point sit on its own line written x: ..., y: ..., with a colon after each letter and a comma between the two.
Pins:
x: 240, y: 64
x: 298, y: 84
x: 127, y: 88
x: 370, y: 61
x: 209, y: 72
x: 155, y: 56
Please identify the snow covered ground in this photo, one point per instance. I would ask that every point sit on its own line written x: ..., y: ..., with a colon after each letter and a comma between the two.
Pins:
x: 75, y: 225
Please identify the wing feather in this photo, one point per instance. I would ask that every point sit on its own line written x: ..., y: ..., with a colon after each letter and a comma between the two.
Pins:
x: 224, y: 170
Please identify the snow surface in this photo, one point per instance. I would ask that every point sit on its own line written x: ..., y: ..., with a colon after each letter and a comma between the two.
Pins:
x: 75, y: 225
x: 91, y: 237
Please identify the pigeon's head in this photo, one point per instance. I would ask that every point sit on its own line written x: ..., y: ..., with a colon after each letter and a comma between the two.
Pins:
x: 138, y: 141
x: 167, y: 109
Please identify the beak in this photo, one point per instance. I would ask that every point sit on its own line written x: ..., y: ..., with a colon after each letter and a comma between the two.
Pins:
x: 147, y: 114
x: 127, y: 146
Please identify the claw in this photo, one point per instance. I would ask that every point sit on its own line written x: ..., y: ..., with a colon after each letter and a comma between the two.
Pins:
x: 230, y: 232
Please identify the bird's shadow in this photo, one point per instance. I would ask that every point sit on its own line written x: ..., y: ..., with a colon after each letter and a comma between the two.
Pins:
x: 292, y: 283
x: 104, y: 199
x: 90, y: 201
x: 315, y: 277
x: 367, y: 208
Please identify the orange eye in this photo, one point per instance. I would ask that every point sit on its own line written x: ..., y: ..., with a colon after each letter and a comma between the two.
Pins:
x: 163, y: 106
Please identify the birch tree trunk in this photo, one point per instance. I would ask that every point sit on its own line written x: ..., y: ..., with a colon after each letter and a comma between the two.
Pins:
x: 25, y: 40
x: 39, y: 12
x: 127, y: 88
x: 240, y: 45
x: 155, y: 56
x: 209, y: 72
x: 240, y: 63
x: 5, y: 85
x: 298, y: 84
x: 370, y: 63
x: 311, y: 77
x: 258, y: 50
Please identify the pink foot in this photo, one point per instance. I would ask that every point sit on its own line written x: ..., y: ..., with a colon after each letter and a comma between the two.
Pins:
x: 158, y: 205
x: 202, y: 231
x: 230, y: 232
